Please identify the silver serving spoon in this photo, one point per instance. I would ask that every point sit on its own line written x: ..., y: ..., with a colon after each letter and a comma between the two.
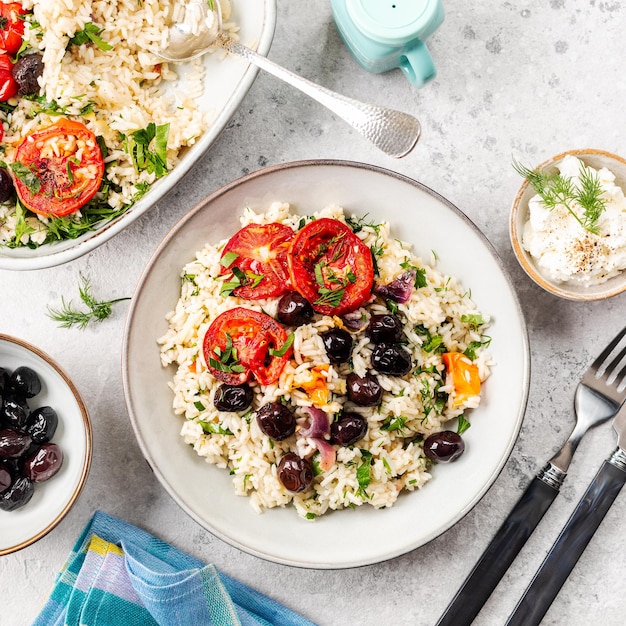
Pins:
x: 394, y: 132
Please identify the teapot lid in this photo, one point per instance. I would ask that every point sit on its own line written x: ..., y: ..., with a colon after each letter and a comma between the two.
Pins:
x: 392, y: 22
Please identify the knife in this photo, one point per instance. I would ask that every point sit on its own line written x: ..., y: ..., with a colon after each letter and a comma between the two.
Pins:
x: 576, y: 534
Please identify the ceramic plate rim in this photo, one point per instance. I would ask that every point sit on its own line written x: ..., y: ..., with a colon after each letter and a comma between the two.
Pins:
x: 132, y: 409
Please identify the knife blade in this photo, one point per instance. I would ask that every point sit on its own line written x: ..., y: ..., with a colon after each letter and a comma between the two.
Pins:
x: 576, y: 534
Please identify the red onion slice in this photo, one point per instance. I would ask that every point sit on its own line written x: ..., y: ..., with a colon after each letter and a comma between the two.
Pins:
x: 356, y: 321
x: 319, y: 424
x: 327, y: 453
x: 399, y: 289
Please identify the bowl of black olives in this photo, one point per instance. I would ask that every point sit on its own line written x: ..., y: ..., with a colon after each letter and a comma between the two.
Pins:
x: 45, y: 444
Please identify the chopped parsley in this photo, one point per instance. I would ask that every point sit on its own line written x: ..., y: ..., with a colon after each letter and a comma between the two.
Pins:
x: 227, y: 359
x: 147, y: 148
x: 238, y: 279
x: 420, y: 274
x: 211, y: 428
x: 394, y: 423
x: 364, y: 473
x: 91, y: 35
x: 462, y: 425
x: 27, y: 176
x: 285, y: 347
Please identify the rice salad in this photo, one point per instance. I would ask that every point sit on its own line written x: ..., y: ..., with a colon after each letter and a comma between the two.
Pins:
x: 100, y: 69
x: 438, y: 317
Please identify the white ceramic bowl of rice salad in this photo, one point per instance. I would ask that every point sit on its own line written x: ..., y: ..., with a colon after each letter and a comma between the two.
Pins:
x: 347, y: 487
x: 95, y: 127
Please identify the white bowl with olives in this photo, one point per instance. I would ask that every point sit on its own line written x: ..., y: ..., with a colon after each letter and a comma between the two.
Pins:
x: 45, y: 444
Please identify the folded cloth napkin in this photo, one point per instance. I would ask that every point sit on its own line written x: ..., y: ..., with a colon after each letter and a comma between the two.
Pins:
x: 120, y: 575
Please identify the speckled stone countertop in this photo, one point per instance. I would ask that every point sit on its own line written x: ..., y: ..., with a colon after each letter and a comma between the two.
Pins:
x: 519, y: 80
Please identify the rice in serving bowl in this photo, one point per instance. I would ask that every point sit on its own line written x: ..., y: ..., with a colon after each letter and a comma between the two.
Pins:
x: 116, y: 89
x: 390, y: 458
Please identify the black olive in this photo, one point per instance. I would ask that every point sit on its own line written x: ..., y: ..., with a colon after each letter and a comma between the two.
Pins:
x: 276, y: 421
x: 294, y: 309
x: 364, y: 391
x: 4, y: 379
x: 6, y: 186
x: 348, y: 429
x: 13, y: 443
x: 338, y: 345
x: 42, y: 424
x: 44, y: 463
x: 17, y: 495
x: 5, y: 477
x: 233, y: 397
x: 385, y: 328
x: 15, y: 412
x: 26, y: 71
x: 444, y: 447
x: 295, y: 473
x: 392, y: 359
x: 25, y: 382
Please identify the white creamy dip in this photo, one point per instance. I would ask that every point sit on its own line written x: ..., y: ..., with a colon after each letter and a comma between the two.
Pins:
x: 563, y: 250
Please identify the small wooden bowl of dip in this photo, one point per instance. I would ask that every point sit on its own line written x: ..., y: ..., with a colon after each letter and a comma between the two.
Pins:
x: 586, y: 253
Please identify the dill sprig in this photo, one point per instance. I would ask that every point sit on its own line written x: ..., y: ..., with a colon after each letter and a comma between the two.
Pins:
x: 97, y: 310
x: 554, y: 190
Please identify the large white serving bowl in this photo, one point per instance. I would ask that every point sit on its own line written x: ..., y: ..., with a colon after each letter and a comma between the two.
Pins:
x: 344, y: 538
x: 55, y: 497
x: 227, y: 81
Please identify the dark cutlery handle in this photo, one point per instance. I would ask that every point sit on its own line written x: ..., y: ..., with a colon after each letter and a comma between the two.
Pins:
x: 499, y: 554
x: 570, y: 544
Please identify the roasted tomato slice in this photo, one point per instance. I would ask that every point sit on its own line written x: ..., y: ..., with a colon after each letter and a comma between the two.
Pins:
x: 241, y: 343
x: 57, y: 170
x: 8, y: 84
x: 11, y: 27
x: 256, y: 258
x: 331, y: 267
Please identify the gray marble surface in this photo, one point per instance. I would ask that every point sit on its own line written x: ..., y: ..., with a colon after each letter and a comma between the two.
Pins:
x: 515, y: 79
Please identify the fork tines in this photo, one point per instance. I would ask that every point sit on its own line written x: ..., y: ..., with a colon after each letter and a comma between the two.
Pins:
x: 608, y: 370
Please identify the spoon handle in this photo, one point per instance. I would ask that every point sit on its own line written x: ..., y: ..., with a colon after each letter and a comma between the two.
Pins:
x: 394, y: 132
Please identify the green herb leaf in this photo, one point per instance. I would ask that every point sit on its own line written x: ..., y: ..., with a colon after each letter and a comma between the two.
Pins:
x: 364, y: 471
x: 211, y: 428
x: 199, y: 406
x: 147, y: 148
x: 462, y: 426
x: 90, y: 34
x: 228, y: 259
x: 283, y: 350
x: 27, y: 176
x: 394, y: 423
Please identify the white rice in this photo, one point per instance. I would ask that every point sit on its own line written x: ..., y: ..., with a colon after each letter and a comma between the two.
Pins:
x: 397, y: 459
x: 129, y: 86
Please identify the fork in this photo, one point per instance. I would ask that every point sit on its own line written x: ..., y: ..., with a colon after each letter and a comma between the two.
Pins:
x: 598, y: 397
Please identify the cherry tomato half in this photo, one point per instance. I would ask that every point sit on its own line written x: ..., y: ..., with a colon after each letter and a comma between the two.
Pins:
x: 57, y: 170
x: 11, y: 27
x: 8, y: 84
x: 241, y: 343
x: 331, y: 267
x: 256, y: 256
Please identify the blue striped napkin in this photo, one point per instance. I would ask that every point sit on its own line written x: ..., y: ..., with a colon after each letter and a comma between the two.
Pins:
x: 118, y: 575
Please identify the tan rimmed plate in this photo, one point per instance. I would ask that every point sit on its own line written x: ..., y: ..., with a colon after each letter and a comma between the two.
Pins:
x: 519, y: 216
x: 54, y: 498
